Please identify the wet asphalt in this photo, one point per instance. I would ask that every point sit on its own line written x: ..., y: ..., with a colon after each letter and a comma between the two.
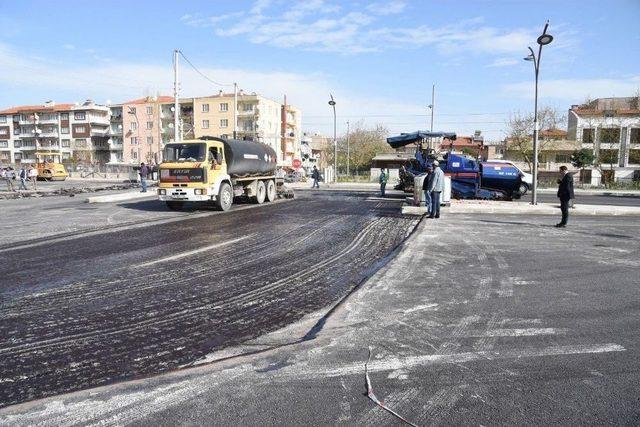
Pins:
x: 128, y: 302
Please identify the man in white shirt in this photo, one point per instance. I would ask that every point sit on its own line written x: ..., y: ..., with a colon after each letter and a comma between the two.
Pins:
x: 33, y: 176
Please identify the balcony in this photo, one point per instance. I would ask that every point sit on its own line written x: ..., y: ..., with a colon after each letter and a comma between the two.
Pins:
x: 249, y: 113
x: 49, y: 134
x: 99, y: 120
x: 100, y: 132
x: 48, y: 120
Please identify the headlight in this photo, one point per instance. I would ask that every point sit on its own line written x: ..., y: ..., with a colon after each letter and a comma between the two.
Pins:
x: 197, y: 191
x: 162, y: 192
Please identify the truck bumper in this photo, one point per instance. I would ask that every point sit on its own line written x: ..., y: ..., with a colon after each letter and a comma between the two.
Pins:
x: 183, y: 194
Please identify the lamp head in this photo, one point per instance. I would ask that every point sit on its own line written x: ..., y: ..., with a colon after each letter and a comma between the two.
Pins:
x: 545, y: 39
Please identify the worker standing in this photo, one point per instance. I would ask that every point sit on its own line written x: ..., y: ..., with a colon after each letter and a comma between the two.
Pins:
x: 565, y: 194
x: 436, y: 187
x: 383, y: 182
x: 144, y: 173
x: 33, y: 176
x: 426, y: 184
x: 22, y: 174
x: 315, y: 175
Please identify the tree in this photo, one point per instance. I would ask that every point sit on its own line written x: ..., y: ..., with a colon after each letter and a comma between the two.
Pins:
x: 581, y: 159
x: 520, y: 132
x: 364, y: 144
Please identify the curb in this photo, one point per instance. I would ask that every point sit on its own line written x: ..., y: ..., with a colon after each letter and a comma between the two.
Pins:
x: 121, y: 197
x: 540, y: 209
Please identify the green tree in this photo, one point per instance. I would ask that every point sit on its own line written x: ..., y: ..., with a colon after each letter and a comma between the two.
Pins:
x: 582, y: 158
x: 364, y: 144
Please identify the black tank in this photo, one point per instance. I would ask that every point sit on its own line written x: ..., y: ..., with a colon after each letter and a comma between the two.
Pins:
x: 249, y: 158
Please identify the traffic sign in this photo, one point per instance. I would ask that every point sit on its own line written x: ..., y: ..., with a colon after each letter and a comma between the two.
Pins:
x: 297, y: 163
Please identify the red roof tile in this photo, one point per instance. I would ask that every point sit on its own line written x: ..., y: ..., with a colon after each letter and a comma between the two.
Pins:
x: 36, y: 109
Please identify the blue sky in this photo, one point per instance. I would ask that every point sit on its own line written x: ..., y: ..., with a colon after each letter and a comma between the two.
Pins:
x: 379, y: 59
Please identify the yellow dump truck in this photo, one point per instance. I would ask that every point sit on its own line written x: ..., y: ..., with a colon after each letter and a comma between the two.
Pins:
x: 216, y: 170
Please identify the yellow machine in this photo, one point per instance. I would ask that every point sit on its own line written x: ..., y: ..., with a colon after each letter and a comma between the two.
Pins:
x: 48, y: 170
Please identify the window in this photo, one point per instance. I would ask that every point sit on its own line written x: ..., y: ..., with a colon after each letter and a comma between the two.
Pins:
x: 224, y: 123
x: 4, y: 155
x: 81, y: 143
x: 4, y: 144
x: 634, y: 137
x: 132, y: 110
x: 17, y: 156
x: 16, y: 118
x: 80, y: 129
x: 205, y: 108
x: 610, y: 135
x: 588, y: 135
x: 563, y: 158
x: 66, y: 142
x: 134, y: 154
x: 17, y: 143
x: 64, y: 130
x: 149, y: 110
x: 79, y: 115
x: 205, y: 124
x: 224, y: 106
x: 64, y: 116
x: 149, y: 125
x: 149, y: 140
x: 248, y: 107
x: 4, y: 131
x: 16, y: 130
x: 634, y: 157
x: 66, y: 156
x: 134, y: 126
x: 608, y: 157
x: 134, y: 140
x: 3, y: 119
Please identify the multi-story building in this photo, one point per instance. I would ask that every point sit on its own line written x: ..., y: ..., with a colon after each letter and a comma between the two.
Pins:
x: 68, y: 133
x: 611, y: 128
x: 258, y: 118
x: 291, y: 128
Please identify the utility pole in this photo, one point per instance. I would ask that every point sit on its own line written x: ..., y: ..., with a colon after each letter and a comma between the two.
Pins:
x: 433, y: 104
x: 176, y: 101
x: 347, y: 148
x: 235, y: 110
x: 332, y: 103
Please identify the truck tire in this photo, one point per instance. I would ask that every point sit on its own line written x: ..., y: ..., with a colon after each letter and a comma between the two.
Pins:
x: 271, y: 190
x: 225, y: 197
x: 261, y: 192
x: 175, y: 206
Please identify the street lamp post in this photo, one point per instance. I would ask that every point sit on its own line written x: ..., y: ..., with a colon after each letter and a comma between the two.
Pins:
x: 543, y: 39
x: 332, y: 102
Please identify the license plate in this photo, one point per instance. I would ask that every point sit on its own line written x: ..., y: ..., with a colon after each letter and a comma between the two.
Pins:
x: 178, y: 197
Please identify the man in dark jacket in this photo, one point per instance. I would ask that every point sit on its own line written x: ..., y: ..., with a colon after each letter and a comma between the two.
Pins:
x: 315, y: 175
x: 565, y: 194
x: 144, y: 173
x: 383, y: 182
x: 426, y: 184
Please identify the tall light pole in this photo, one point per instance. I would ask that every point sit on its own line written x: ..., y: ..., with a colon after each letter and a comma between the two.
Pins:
x: 433, y: 104
x: 348, y: 148
x: 332, y: 102
x: 543, y: 40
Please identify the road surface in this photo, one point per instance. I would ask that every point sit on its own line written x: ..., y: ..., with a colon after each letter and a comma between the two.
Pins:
x: 119, y: 301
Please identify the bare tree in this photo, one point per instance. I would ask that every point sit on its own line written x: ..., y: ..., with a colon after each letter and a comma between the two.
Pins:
x: 364, y: 144
x: 520, y: 132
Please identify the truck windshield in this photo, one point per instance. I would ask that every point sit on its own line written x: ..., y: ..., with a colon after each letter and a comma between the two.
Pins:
x: 185, y: 152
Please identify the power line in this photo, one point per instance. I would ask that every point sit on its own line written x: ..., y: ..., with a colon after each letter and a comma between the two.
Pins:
x: 413, y: 115
x: 201, y: 73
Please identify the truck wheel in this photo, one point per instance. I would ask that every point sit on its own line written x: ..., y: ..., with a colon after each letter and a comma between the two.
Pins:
x: 261, y: 192
x: 175, y: 206
x: 271, y: 190
x: 523, y: 189
x: 225, y: 197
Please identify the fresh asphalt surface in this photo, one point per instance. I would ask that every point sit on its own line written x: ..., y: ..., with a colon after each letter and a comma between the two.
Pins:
x: 122, y: 300
x: 478, y: 320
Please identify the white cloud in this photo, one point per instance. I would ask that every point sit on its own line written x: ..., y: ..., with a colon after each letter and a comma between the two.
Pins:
x: 316, y: 25
x: 575, y: 90
x: 503, y: 62
x: 123, y: 81
x: 387, y: 8
x: 68, y: 46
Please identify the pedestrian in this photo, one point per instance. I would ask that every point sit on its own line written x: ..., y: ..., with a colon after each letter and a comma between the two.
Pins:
x: 383, y: 182
x: 9, y: 176
x: 32, y: 174
x: 426, y: 183
x: 23, y: 178
x: 565, y: 194
x: 436, y: 187
x: 316, y: 177
x: 144, y: 173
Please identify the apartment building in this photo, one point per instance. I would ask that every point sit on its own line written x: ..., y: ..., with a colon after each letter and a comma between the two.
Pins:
x: 68, y: 133
x: 611, y: 128
x: 291, y: 129
x: 258, y: 118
